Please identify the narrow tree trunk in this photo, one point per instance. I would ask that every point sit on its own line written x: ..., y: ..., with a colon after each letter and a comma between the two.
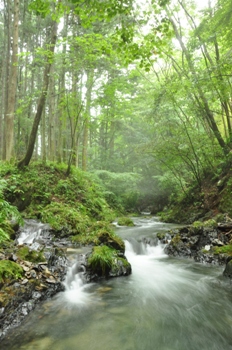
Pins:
x: 41, y: 103
x: 12, y: 86
x: 89, y: 86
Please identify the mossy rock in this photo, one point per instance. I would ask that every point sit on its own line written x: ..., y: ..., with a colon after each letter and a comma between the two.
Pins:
x: 175, y: 240
x: 125, y: 221
x: 9, y: 270
x: 101, y: 260
x: 111, y: 240
x: 228, y: 269
x: 34, y: 256
x: 105, y: 262
x: 160, y: 236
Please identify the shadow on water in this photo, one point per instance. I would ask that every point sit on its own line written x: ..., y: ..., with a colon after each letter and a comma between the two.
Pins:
x: 166, y: 304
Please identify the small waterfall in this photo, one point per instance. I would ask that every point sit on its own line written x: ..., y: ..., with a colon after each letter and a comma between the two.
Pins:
x: 134, y: 248
x: 76, y: 290
x: 33, y: 231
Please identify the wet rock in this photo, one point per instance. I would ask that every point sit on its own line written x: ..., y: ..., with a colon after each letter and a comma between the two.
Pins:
x: 197, y: 243
x: 24, y: 281
x: 217, y: 242
x: 38, y: 283
x: 228, y: 269
x: 51, y: 279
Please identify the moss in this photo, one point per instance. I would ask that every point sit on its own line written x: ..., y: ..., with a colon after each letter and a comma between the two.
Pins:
x: 210, y: 223
x: 125, y: 221
x: 45, y: 192
x: 102, y: 260
x: 160, y: 235
x: 176, y: 240
x: 25, y: 253
x: 100, y: 232
x: 125, y: 262
x: 61, y: 216
x: 110, y: 239
x: 226, y: 249
x: 10, y: 270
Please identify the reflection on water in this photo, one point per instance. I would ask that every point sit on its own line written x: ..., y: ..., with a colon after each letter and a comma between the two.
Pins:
x: 166, y: 304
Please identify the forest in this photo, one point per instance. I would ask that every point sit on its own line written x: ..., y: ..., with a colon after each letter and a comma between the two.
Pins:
x: 110, y: 109
x: 119, y: 86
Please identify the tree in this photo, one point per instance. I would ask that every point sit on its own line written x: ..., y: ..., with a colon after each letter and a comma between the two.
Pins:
x: 41, y: 102
x: 11, y: 95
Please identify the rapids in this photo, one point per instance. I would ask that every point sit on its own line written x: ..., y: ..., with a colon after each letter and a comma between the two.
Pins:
x: 166, y: 304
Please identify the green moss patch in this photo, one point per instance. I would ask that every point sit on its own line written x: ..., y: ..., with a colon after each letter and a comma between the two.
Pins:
x: 10, y: 270
x: 25, y: 253
x: 61, y: 216
x: 111, y: 240
x: 102, y: 260
x: 226, y: 249
x: 125, y: 221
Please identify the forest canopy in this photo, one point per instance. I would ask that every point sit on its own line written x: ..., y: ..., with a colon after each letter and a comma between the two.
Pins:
x: 119, y: 86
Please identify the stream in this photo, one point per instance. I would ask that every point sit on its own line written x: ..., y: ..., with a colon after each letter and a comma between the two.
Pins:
x: 165, y: 304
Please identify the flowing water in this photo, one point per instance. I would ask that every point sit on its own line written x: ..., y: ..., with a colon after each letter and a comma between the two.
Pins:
x: 166, y: 304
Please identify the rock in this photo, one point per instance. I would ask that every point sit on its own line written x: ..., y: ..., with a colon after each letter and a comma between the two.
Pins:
x: 217, y: 242
x: 24, y: 281
x: 197, y: 242
x: 13, y: 257
x: 228, y: 269
x: 51, y: 279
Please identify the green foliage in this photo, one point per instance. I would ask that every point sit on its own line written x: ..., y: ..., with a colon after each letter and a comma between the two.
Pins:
x: 197, y: 225
x: 102, y: 260
x: 120, y: 188
x: 7, y: 212
x: 100, y: 232
x: 61, y: 216
x: 226, y: 249
x: 125, y: 221
x: 25, y: 253
x: 66, y: 203
x: 10, y: 270
x: 4, y: 236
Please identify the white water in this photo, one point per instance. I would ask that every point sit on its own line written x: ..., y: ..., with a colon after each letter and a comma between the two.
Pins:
x: 75, y: 290
x: 166, y: 304
x: 32, y: 231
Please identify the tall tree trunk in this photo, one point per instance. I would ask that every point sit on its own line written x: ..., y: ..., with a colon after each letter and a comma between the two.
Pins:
x: 12, y: 86
x: 89, y: 86
x: 41, y: 103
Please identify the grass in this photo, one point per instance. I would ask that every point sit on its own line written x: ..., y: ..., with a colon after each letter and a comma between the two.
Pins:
x: 102, y: 260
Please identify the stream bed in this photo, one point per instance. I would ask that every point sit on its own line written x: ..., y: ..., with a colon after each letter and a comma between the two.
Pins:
x: 166, y: 304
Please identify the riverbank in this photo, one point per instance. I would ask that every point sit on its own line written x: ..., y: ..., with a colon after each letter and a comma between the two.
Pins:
x: 35, y: 267
x: 41, y: 270
x: 205, y: 242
